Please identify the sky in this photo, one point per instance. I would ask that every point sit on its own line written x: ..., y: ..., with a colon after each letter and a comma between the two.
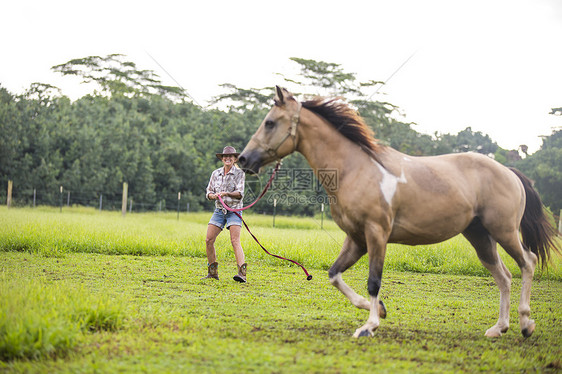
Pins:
x: 493, y: 65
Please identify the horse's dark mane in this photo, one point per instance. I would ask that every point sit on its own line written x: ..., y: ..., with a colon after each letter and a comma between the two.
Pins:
x: 346, y: 120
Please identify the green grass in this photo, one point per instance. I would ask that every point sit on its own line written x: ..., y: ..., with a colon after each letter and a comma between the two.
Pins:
x: 280, y: 323
x: 84, y: 291
x: 81, y: 230
x: 42, y: 319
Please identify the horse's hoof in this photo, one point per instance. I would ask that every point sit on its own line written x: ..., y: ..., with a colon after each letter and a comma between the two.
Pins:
x: 528, y: 331
x: 382, y: 309
x: 366, y: 333
x: 493, y: 332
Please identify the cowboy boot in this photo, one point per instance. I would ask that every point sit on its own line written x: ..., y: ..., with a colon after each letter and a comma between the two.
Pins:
x: 213, y: 271
x: 241, y: 276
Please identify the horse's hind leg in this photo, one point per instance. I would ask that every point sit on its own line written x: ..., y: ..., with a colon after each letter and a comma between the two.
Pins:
x: 486, y: 250
x: 349, y: 255
x: 527, y: 262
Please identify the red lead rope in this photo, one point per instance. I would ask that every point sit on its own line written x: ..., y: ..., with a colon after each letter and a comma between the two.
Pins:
x: 235, y: 211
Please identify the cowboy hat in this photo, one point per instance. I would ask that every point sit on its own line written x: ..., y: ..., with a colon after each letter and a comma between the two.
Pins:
x: 228, y: 150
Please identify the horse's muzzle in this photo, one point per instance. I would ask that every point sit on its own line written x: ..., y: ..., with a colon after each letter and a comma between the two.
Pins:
x: 250, y: 162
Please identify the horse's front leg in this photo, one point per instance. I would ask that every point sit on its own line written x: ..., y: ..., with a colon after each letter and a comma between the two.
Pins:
x: 348, y: 256
x: 376, y: 245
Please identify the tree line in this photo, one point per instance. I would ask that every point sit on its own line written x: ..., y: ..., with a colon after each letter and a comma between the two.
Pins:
x: 134, y: 129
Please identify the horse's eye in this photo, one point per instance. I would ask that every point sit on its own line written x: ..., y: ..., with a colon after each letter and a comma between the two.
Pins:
x: 269, y: 124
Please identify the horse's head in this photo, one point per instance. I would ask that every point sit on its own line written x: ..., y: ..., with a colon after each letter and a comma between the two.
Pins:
x: 277, y: 135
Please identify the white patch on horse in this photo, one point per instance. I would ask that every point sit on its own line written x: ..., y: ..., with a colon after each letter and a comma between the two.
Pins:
x: 357, y: 300
x: 407, y: 158
x: 402, y: 178
x: 389, y: 182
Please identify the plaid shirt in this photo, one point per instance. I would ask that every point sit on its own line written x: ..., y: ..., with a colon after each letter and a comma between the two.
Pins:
x: 231, y: 182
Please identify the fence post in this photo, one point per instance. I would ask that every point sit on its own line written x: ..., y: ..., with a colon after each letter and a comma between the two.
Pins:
x: 9, y: 198
x: 131, y: 205
x: 179, y: 198
x: 68, y: 198
x: 274, y: 210
x: 322, y: 219
x: 124, y: 201
x: 101, y: 199
x: 60, y: 202
x: 560, y: 222
x: 34, y: 196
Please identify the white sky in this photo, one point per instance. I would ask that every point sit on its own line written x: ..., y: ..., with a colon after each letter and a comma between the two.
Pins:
x: 494, y: 65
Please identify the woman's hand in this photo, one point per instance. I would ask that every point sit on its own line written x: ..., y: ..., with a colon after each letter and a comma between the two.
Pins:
x: 215, y: 196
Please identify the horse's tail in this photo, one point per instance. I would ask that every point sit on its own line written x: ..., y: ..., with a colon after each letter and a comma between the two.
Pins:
x: 538, y: 234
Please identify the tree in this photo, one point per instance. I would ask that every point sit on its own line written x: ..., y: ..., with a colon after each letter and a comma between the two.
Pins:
x: 325, y: 78
x: 545, y: 168
x: 117, y: 76
x: 556, y: 111
x: 27, y: 154
x: 161, y: 144
x: 241, y: 100
x: 470, y: 141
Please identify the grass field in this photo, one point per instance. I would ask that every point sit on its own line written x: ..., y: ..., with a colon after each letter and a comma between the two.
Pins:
x: 84, y: 291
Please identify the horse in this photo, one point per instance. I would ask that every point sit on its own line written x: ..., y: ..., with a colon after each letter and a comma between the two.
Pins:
x: 385, y: 196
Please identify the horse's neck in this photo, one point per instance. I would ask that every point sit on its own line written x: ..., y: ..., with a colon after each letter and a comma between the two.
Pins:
x: 324, y: 147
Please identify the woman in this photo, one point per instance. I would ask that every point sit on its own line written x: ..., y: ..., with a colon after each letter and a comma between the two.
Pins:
x: 227, y: 182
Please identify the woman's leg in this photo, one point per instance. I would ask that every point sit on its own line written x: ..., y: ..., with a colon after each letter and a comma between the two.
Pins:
x: 212, y: 233
x: 235, y: 240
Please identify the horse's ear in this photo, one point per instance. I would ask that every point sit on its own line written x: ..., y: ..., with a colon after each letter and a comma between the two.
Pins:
x: 282, y: 95
x: 279, y: 99
x: 287, y: 94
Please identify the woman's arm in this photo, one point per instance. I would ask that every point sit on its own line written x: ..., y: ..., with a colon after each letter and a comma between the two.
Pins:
x: 210, y: 195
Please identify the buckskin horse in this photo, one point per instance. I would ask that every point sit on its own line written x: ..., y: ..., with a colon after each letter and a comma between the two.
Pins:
x: 384, y: 196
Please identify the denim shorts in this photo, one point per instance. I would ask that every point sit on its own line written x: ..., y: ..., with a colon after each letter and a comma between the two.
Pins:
x: 219, y: 219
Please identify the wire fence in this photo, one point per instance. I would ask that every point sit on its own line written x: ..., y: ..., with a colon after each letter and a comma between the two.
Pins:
x: 109, y: 201
x: 100, y: 200
x: 275, y: 202
x: 294, y: 192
